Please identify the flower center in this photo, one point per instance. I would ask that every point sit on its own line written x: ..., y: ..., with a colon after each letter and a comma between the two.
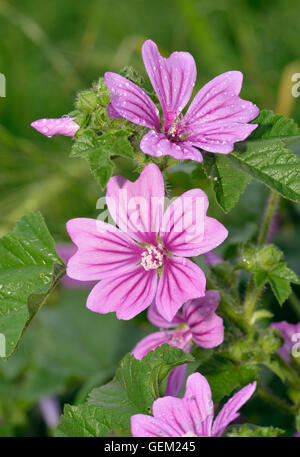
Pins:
x: 173, y: 133
x: 179, y: 337
x: 189, y: 434
x: 152, y: 258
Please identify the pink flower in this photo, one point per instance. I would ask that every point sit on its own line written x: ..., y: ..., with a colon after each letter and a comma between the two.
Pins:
x: 145, y: 258
x: 215, y: 120
x: 291, y: 335
x: 197, y: 321
x: 191, y: 415
x: 50, y: 127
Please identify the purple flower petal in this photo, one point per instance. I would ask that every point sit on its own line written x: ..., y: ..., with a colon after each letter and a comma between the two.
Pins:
x: 218, y: 101
x: 127, y: 294
x: 175, y: 414
x: 112, y: 112
x: 206, y: 327
x: 158, y: 145
x: 182, y: 229
x: 148, y: 426
x: 180, y: 281
x: 149, y: 343
x: 186, y: 231
x: 51, y: 411
x: 131, y: 102
x: 229, y: 412
x: 212, y: 259
x: 103, y: 250
x: 137, y: 207
x: 220, y: 136
x: 176, y: 380
x: 217, y: 117
x: 51, y: 127
x: 199, y: 404
x: 156, y: 319
x: 173, y: 79
x: 65, y: 252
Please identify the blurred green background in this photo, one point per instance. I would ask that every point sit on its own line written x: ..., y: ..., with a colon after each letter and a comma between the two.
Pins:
x: 50, y: 50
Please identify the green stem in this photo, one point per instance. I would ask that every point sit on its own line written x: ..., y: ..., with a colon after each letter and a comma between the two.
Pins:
x: 275, y: 401
x: 252, y: 296
x: 268, y: 216
x: 295, y: 302
x: 228, y: 309
x: 290, y: 373
x: 253, y: 293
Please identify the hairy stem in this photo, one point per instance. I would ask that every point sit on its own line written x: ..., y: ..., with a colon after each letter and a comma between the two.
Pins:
x: 227, y: 308
x: 253, y: 293
x: 290, y: 373
x: 295, y: 302
x: 252, y: 296
x: 275, y: 401
x: 268, y: 216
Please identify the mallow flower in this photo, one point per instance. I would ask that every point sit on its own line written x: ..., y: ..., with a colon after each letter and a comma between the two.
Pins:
x: 50, y: 127
x: 197, y: 322
x: 214, y: 121
x: 192, y: 415
x: 145, y: 257
x: 291, y: 336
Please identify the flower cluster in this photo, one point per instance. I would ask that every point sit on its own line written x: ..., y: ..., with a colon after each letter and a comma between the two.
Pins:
x: 145, y: 260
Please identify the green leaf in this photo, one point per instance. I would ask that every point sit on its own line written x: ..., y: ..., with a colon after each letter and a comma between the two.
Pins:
x: 224, y: 376
x: 99, y: 149
x: 136, y: 383
x: 132, y: 391
x: 228, y: 182
x: 29, y: 270
x: 265, y: 155
x: 274, y: 125
x: 251, y: 431
x: 84, y: 421
x: 280, y: 278
x: 267, y: 267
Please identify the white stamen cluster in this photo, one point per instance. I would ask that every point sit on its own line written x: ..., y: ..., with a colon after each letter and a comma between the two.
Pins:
x: 176, y: 339
x: 152, y: 258
x: 189, y: 435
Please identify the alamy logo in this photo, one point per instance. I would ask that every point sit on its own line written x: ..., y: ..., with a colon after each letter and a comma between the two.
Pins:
x: 296, y: 87
x: 2, y: 345
x: 296, y: 347
x: 2, y: 85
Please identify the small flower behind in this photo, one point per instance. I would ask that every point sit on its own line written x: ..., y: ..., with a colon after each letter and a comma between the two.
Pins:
x: 145, y: 258
x: 197, y: 321
x: 215, y: 120
x: 191, y: 415
x: 291, y: 336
